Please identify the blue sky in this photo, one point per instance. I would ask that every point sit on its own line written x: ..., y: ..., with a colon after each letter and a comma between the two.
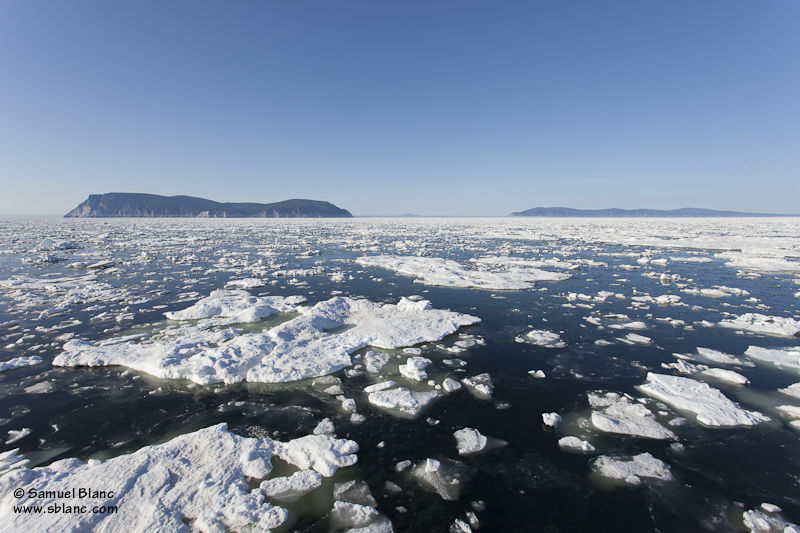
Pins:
x: 384, y: 108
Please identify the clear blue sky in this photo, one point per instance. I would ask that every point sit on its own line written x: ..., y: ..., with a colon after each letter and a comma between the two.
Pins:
x: 387, y: 107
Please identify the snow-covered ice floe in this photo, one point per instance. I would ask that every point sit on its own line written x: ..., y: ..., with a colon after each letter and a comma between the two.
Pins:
x: 407, y: 401
x: 616, y: 413
x: 631, y: 470
x: 710, y: 406
x: 294, y: 350
x: 786, y: 359
x: 237, y: 306
x: 19, y: 362
x: 544, y: 338
x: 764, y: 324
x: 200, y: 477
x: 439, y: 272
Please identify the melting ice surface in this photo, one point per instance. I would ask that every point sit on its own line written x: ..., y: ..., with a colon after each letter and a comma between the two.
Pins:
x: 493, y: 374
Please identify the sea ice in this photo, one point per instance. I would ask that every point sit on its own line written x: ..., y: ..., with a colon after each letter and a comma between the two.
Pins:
x: 199, y: 476
x: 446, y: 477
x: 439, y: 272
x: 238, y: 306
x: 632, y: 470
x: 298, y: 349
x: 791, y: 390
x: 767, y: 325
x: 469, y: 441
x: 414, y: 368
x: 407, y: 401
x: 726, y: 375
x: 551, y: 419
x: 287, y: 489
x: 19, y: 362
x: 574, y: 443
x: 540, y: 337
x: 615, y: 413
x: 783, y: 358
x: 712, y: 408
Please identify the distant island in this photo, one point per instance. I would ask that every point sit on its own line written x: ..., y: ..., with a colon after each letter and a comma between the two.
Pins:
x: 122, y: 204
x: 685, y: 212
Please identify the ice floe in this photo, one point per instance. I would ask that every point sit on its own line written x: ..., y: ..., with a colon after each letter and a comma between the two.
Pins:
x: 544, y: 338
x: 199, y: 476
x: 447, y: 273
x: 767, y: 325
x: 405, y: 400
x: 19, y: 362
x: 710, y: 406
x: 631, y: 470
x: 787, y: 359
x: 616, y: 413
x: 469, y: 441
x: 298, y: 349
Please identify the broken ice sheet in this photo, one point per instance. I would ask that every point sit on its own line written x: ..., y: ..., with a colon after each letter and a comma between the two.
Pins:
x: 435, y: 271
x: 294, y: 350
x: 710, y: 406
x: 198, y: 476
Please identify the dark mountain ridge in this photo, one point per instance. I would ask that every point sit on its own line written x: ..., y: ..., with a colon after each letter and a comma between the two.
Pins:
x: 685, y: 212
x: 121, y: 204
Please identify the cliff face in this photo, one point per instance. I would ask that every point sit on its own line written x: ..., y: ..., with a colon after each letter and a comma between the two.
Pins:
x: 152, y: 205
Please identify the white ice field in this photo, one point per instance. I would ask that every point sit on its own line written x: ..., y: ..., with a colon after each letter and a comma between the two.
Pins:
x: 375, y: 375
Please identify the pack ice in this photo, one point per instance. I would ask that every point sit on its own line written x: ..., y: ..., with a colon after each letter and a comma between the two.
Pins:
x: 439, y: 272
x: 712, y: 408
x: 199, y: 477
x: 294, y: 350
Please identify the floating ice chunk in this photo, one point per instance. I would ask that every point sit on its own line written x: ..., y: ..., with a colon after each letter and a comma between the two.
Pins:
x: 539, y: 374
x: 247, y: 283
x: 39, y: 388
x: 17, y: 434
x: 469, y: 441
x: 379, y: 386
x: 540, y: 337
x: 791, y: 390
x: 615, y: 413
x: 551, y: 419
x: 574, y: 443
x: 294, y: 350
x: 407, y: 401
x: 446, y: 477
x: 325, y: 427
x: 199, y: 476
x: 323, y: 453
x: 792, y: 411
x: 374, y: 361
x: 633, y: 338
x: 726, y: 375
x: 637, y: 325
x: 716, y: 356
x: 783, y: 358
x: 632, y: 470
x: 402, y: 465
x: 450, y: 385
x: 299, y: 483
x: 682, y: 367
x: 759, y: 264
x: 415, y: 368
x: 238, y: 305
x: 759, y: 521
x: 767, y: 325
x: 19, y: 362
x: 446, y: 273
x: 480, y: 385
x: 712, y: 408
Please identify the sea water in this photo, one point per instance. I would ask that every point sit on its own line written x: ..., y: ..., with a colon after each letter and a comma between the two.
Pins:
x: 621, y: 298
